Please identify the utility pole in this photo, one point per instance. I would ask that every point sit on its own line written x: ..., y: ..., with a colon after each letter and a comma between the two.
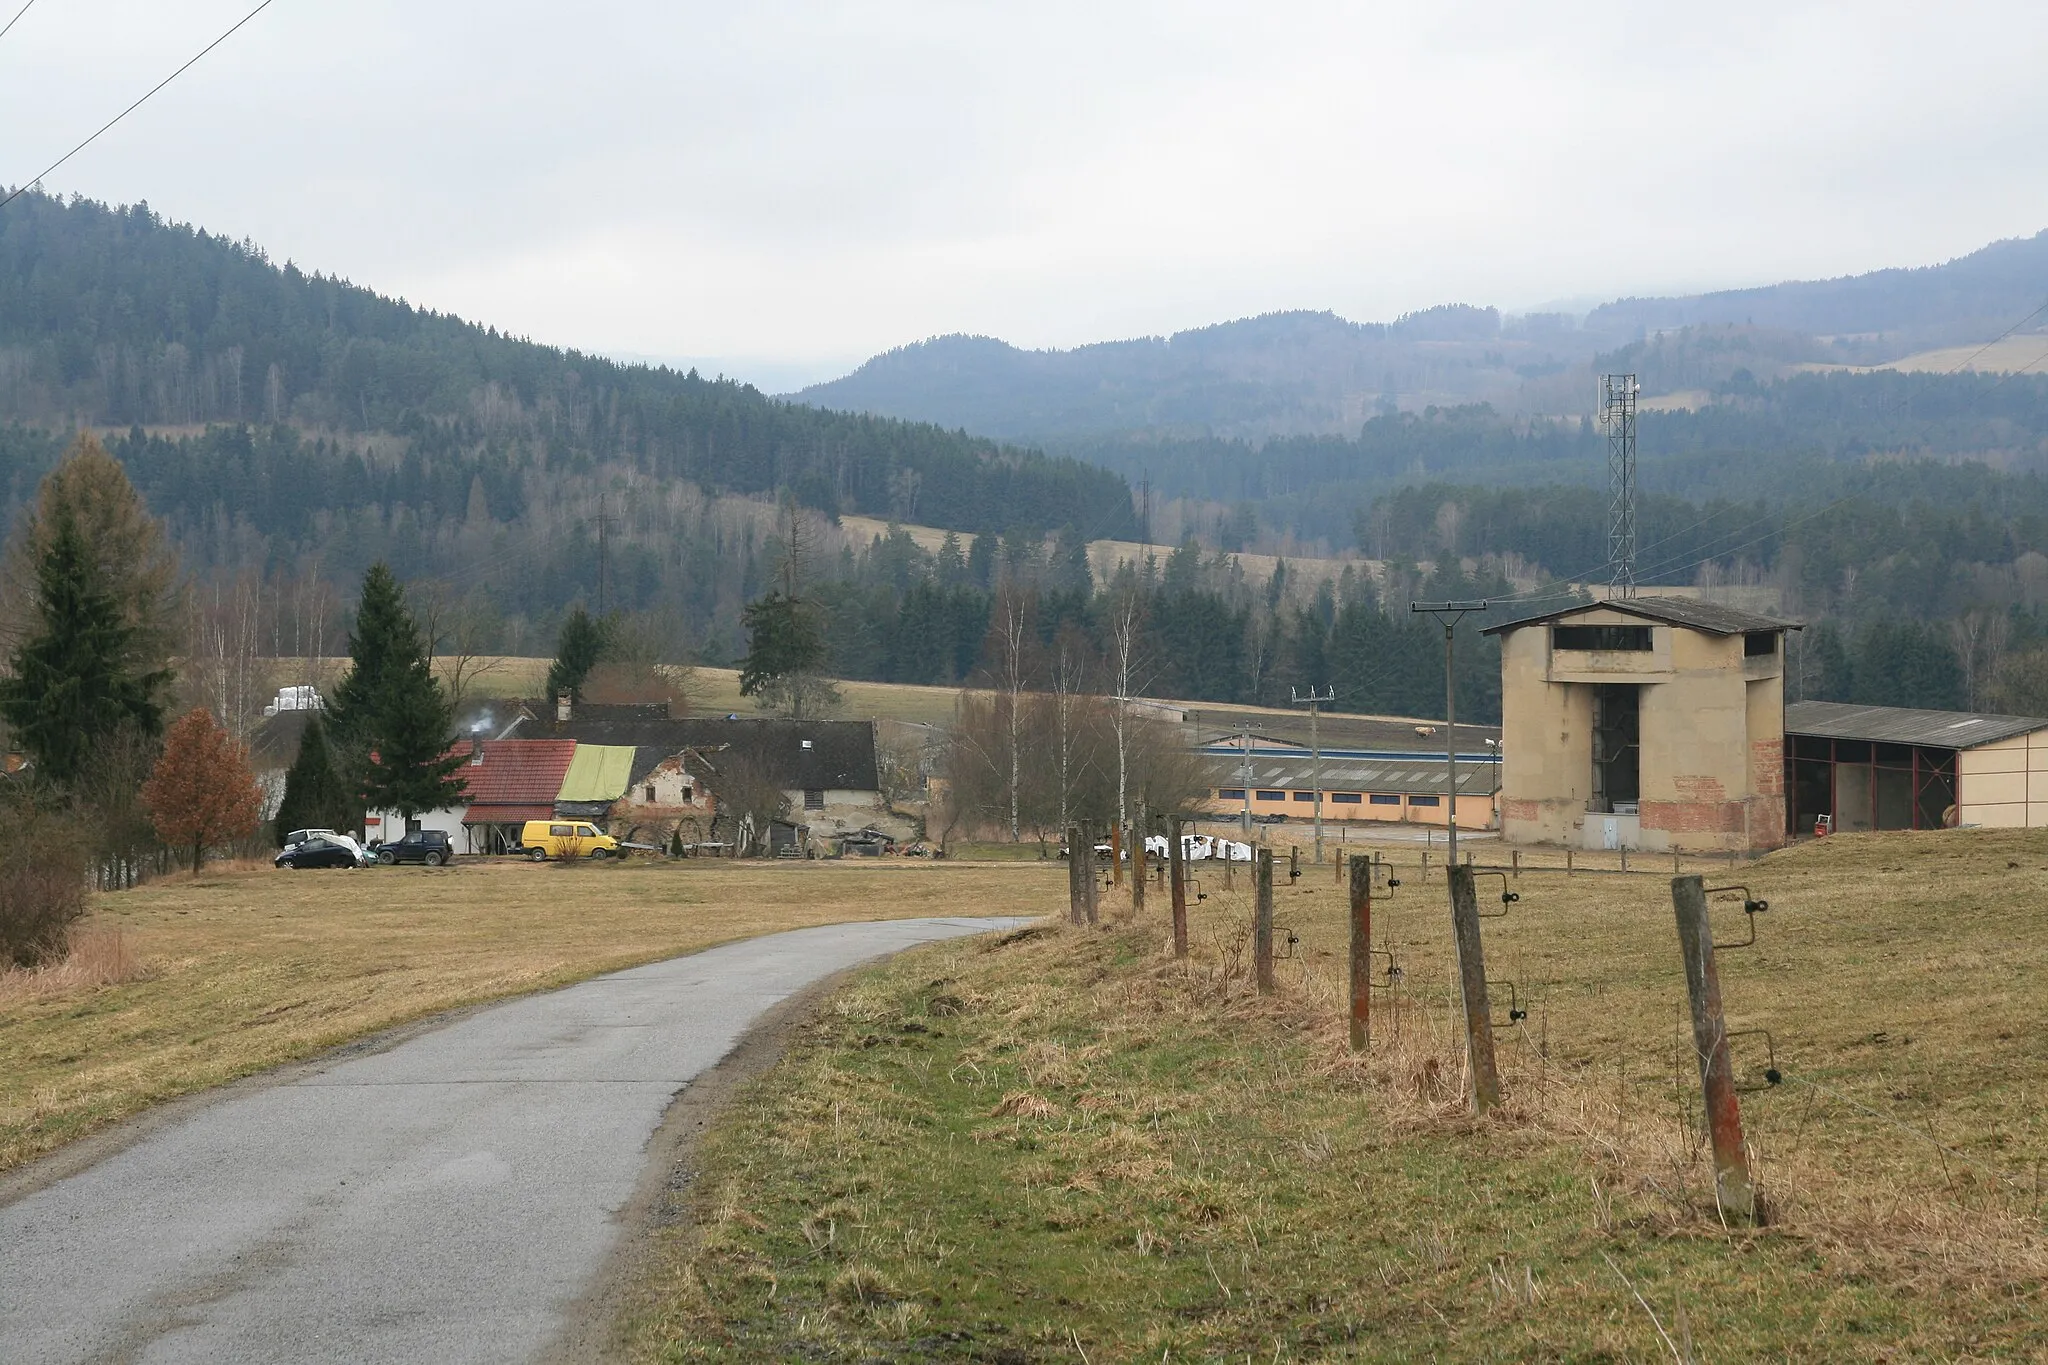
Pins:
x: 1314, y: 700
x: 1485, y: 1080
x: 1244, y: 775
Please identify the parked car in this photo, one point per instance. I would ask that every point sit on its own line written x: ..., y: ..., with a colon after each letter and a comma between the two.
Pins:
x: 429, y: 846
x: 541, y: 840
x: 321, y: 850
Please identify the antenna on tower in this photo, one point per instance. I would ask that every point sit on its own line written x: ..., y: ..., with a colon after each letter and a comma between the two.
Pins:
x: 1618, y: 417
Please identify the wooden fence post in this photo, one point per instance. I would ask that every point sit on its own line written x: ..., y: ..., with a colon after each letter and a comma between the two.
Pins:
x: 1732, y: 1189
x: 1141, y: 868
x: 1088, y: 886
x: 1262, y: 918
x: 1485, y: 1080
x: 1177, y: 875
x: 1075, y: 854
x: 1361, y: 953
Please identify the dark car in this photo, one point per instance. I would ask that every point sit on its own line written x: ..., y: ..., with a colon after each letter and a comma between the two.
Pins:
x: 429, y: 846
x: 317, y: 850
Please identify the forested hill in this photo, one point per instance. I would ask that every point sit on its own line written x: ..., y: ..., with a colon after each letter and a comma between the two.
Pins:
x: 116, y: 317
x: 1972, y: 298
x: 1297, y: 374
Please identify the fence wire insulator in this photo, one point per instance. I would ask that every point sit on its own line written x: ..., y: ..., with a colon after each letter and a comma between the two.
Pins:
x: 1772, y: 1076
x: 1516, y: 1014
x: 1507, y: 897
x: 1394, y: 972
x: 1752, y: 906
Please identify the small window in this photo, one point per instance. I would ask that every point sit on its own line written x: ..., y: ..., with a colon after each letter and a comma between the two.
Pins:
x: 647, y: 794
x: 585, y: 832
x: 1630, y: 639
x: 689, y: 795
x: 1757, y: 644
x: 1304, y: 796
x: 1272, y: 796
x: 814, y: 798
x: 560, y: 831
x: 1230, y: 794
x: 1422, y: 800
x: 806, y: 744
x: 1386, y: 798
x: 1346, y: 798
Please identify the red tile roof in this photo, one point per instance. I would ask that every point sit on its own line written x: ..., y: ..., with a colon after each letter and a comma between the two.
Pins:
x: 518, y: 778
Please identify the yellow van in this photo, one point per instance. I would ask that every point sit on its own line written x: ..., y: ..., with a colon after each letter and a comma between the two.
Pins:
x: 541, y: 840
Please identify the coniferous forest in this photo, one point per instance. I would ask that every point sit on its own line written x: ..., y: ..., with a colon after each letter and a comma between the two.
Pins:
x: 292, y: 429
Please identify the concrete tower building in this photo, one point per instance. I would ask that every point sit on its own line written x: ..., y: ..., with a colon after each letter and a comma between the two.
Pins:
x: 1647, y: 723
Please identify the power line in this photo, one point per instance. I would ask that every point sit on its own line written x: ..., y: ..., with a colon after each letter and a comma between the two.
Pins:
x: 17, y: 17
x: 133, y: 107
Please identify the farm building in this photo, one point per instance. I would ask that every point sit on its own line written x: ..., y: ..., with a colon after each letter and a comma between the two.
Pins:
x: 1401, y: 777
x: 1647, y: 722
x: 1886, y: 767
x: 825, y: 769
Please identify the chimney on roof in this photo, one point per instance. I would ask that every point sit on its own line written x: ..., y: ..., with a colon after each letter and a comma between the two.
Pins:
x: 562, y: 708
x: 476, y: 749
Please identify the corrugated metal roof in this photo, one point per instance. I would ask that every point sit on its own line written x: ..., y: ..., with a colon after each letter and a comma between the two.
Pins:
x: 1903, y: 725
x: 1421, y: 774
x: 598, y: 772
x: 1710, y: 617
x: 518, y: 772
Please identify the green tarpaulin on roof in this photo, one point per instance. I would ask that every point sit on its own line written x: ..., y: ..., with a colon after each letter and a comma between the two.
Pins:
x: 598, y: 772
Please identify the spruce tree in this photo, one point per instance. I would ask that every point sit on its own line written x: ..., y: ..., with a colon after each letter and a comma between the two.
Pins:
x: 391, y: 720
x: 74, y: 682
x: 315, y: 794
x: 581, y: 646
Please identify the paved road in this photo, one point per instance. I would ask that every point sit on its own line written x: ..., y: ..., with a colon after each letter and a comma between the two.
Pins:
x: 444, y: 1201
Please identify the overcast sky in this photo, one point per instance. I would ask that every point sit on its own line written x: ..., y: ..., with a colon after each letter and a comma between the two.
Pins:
x: 784, y: 189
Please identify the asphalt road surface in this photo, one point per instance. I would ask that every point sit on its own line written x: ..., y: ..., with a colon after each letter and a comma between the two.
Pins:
x: 446, y: 1200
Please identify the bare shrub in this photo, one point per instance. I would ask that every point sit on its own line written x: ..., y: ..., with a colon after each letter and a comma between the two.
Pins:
x: 42, y: 894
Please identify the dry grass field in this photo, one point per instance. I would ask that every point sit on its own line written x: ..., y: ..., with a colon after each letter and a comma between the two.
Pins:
x: 1069, y: 1146
x: 243, y: 969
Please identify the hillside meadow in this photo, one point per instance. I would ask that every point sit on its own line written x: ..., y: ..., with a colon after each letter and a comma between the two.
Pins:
x: 1063, y: 1144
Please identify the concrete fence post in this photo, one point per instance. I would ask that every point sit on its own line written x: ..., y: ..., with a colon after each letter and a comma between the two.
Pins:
x: 1732, y: 1189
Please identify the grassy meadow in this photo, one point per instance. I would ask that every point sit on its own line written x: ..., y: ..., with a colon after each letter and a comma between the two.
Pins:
x: 240, y: 969
x: 1063, y: 1144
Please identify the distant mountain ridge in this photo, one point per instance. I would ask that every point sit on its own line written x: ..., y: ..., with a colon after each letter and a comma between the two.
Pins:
x: 1316, y: 373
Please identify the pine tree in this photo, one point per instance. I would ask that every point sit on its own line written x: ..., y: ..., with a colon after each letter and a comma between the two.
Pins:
x: 581, y: 646
x: 201, y: 793
x: 315, y: 794
x: 385, y: 636
x: 74, y: 683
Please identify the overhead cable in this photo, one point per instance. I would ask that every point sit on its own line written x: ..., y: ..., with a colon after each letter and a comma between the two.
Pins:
x: 24, y: 189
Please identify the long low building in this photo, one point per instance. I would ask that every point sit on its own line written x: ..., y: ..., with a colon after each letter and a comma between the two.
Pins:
x: 1887, y: 767
x: 1269, y: 776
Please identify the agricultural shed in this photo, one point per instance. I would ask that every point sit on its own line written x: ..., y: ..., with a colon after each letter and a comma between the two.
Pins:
x: 1891, y: 767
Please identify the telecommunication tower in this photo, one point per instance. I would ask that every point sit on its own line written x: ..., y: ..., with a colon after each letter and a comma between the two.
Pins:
x: 1618, y: 416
